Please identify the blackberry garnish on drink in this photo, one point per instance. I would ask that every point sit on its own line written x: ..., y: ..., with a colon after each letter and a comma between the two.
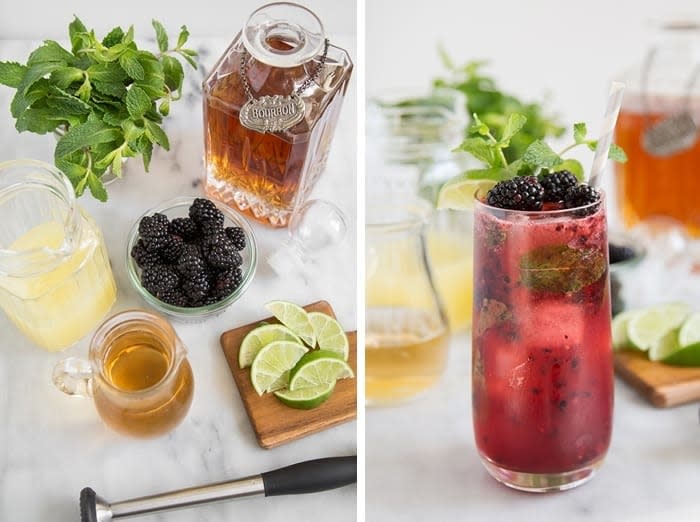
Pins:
x: 519, y: 193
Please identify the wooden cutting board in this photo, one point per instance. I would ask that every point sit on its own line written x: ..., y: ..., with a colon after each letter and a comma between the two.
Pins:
x: 273, y: 422
x: 660, y: 384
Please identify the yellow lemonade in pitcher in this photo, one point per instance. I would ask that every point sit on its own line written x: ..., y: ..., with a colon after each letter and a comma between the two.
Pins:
x: 55, y: 308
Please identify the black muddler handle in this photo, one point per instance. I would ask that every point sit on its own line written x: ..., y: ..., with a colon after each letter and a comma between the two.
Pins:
x: 305, y: 477
x: 311, y: 476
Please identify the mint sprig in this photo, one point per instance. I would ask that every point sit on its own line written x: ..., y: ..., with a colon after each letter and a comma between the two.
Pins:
x: 106, y: 99
x: 489, y: 148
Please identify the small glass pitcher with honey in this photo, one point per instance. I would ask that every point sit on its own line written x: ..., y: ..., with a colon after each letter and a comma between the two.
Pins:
x: 137, y: 374
x: 56, y: 282
x: 406, y: 337
x: 271, y: 105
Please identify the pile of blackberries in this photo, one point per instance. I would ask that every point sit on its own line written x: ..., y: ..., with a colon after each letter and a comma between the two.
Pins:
x: 560, y: 189
x: 190, y: 261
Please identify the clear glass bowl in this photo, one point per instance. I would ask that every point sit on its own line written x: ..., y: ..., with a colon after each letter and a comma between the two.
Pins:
x: 179, y: 207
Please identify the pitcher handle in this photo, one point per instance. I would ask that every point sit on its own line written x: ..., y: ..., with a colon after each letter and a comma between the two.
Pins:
x: 73, y: 376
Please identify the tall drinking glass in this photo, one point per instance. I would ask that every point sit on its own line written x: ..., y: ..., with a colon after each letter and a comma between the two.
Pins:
x: 542, y: 368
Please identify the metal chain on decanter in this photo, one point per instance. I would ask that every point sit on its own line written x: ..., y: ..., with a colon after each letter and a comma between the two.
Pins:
x: 306, y: 83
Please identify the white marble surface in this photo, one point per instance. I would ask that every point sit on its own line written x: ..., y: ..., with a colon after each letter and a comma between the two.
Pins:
x: 51, y: 445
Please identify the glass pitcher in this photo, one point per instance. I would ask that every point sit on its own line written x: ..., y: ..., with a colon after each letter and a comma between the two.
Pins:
x: 271, y: 105
x: 137, y: 374
x: 56, y: 283
x: 406, y: 331
x: 658, y: 128
x: 411, y: 137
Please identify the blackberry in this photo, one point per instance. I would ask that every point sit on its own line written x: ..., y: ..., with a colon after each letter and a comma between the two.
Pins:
x: 619, y: 253
x: 184, y: 227
x: 152, y: 226
x: 519, y: 193
x: 172, y: 249
x: 204, y: 210
x: 556, y: 184
x: 226, y: 282
x: 237, y: 236
x: 196, y: 288
x: 159, y: 279
x: 220, y: 252
x: 191, y: 262
x: 582, y: 195
x: 212, y: 226
x: 174, y: 297
x: 142, y: 256
x: 156, y: 243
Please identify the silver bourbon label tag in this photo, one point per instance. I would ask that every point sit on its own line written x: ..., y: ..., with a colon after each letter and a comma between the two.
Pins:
x: 272, y: 113
x: 671, y: 136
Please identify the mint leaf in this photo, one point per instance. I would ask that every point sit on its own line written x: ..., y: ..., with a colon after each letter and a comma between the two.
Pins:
x: 65, y: 76
x: 106, y: 72
x: 36, y: 72
x: 164, y: 107
x: 85, y: 135
x: 478, y: 126
x: 572, y: 166
x: 153, y: 83
x: 156, y: 134
x: 97, y: 189
x: 480, y: 149
x: 188, y: 55
x: 63, y: 102
x: 132, y: 67
x: 11, y: 74
x: 74, y: 171
x: 539, y: 155
x: 20, y: 102
x: 183, y: 36
x: 580, y: 132
x: 145, y: 147
x: 39, y: 121
x: 50, y: 52
x: 492, y: 313
x: 561, y: 269
x: 161, y: 35
x: 137, y: 102
x: 495, y: 174
x: 514, y: 124
x: 173, y: 73
x: 113, y: 37
x: 76, y: 30
x: 617, y: 154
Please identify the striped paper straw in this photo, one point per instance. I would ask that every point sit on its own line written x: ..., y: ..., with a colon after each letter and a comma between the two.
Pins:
x: 606, y: 133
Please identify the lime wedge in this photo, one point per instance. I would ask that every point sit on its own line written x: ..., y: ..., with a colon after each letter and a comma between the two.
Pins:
x: 687, y: 356
x: 306, y: 398
x: 295, y: 318
x: 647, y: 328
x: 262, y: 336
x: 317, y: 368
x: 329, y: 334
x: 619, y: 329
x: 665, y: 347
x: 271, y: 365
x: 690, y: 331
x: 458, y: 194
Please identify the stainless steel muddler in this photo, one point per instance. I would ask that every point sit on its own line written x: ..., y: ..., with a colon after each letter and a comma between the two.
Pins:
x: 304, y: 477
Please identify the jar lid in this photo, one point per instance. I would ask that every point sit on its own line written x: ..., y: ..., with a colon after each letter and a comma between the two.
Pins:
x: 283, y: 34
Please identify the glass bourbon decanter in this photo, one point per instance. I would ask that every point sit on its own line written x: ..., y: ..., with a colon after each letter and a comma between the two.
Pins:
x: 271, y: 105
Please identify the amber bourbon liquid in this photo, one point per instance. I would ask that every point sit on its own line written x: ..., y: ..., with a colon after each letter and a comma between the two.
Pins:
x: 267, y: 175
x: 142, y: 406
x: 649, y: 185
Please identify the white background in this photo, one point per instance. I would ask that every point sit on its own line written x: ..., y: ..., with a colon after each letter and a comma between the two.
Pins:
x: 210, y: 18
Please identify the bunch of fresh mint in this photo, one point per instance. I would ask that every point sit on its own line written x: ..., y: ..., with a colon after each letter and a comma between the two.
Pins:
x: 105, y: 99
x: 491, y: 149
x: 494, y: 107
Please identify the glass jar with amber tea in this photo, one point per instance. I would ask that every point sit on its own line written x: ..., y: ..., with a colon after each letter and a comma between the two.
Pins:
x: 271, y: 105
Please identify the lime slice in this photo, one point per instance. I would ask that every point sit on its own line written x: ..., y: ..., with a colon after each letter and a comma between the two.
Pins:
x: 619, y: 329
x: 306, y: 398
x: 271, y: 366
x: 665, y: 346
x: 687, y: 356
x: 318, y: 367
x: 295, y: 318
x: 647, y: 328
x: 262, y: 336
x: 329, y: 334
x: 458, y: 194
x: 690, y: 331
